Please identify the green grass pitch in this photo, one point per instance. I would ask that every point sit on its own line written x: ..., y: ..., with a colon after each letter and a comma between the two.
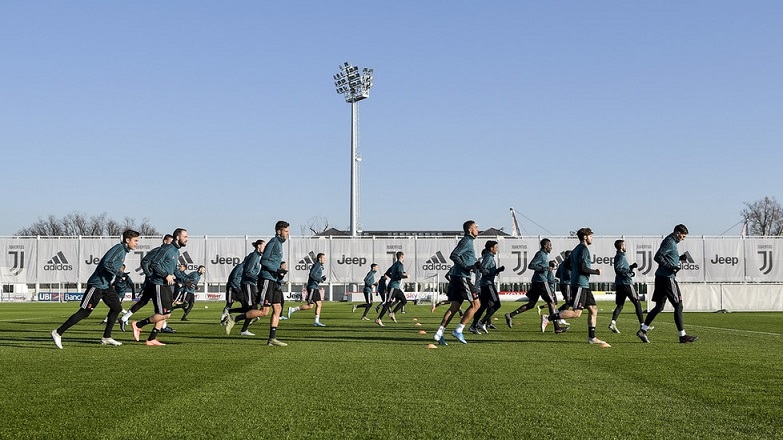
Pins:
x: 353, y: 379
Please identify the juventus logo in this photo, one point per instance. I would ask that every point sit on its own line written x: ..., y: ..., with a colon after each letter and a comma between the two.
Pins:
x: 521, y: 262
x: 767, y: 258
x: 646, y: 264
x: 18, y: 266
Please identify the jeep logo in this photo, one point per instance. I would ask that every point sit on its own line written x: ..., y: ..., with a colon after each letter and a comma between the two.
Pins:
x: 361, y: 261
x: 733, y: 261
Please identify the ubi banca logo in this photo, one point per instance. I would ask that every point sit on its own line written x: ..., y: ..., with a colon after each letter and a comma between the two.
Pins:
x: 58, y: 262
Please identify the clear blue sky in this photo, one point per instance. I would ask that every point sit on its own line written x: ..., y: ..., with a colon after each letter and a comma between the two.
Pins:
x: 625, y: 116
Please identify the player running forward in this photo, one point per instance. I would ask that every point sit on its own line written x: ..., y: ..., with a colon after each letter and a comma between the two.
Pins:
x: 580, y: 286
x: 369, y: 283
x: 396, y: 274
x: 188, y: 299
x: 313, y: 299
x: 488, y: 296
x: 249, y: 295
x: 460, y: 286
x: 539, y: 285
x: 271, y: 270
x: 666, y: 287
x: 233, y: 292
x: 143, y: 297
x: 159, y: 287
x: 99, y: 288
x: 624, y: 288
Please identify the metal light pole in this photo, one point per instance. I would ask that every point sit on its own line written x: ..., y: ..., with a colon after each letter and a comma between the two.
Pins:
x: 355, y: 86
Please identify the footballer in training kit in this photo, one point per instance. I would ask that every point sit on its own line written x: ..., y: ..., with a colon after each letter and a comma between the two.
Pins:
x: 99, y: 287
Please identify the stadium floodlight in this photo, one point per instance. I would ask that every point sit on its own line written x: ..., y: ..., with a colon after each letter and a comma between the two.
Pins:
x: 354, y: 85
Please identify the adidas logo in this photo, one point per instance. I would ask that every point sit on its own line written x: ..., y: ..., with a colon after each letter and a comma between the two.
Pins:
x: 307, y: 262
x: 689, y: 263
x: 58, y: 262
x: 437, y: 262
x: 185, y: 259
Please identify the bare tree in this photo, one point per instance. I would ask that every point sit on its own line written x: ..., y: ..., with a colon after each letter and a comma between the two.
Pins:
x: 76, y: 224
x: 764, y: 217
x: 316, y: 225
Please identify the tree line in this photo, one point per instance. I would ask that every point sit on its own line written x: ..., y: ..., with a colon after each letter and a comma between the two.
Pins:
x: 79, y: 224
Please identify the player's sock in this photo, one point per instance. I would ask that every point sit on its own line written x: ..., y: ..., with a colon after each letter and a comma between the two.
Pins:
x: 143, y: 322
x: 460, y: 327
x: 153, y: 334
x: 591, y: 332
x: 272, y: 332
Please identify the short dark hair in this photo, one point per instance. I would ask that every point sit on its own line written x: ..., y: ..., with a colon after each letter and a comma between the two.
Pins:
x: 281, y: 224
x: 372, y: 266
x: 552, y: 263
x: 177, y: 232
x: 490, y: 244
x: 584, y: 232
x: 618, y: 243
x: 466, y: 226
x: 168, y: 237
x: 129, y: 233
x: 544, y: 242
x: 320, y: 254
x: 399, y: 254
x: 681, y: 229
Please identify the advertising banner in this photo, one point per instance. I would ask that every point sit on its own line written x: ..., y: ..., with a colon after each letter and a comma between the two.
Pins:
x: 18, y: 262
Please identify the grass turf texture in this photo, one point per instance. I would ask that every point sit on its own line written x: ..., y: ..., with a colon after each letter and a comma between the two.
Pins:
x: 353, y: 379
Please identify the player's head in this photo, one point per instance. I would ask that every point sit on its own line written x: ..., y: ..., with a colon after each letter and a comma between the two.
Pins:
x: 180, y: 236
x: 259, y: 245
x: 585, y: 234
x: 400, y: 255
x: 202, y: 269
x: 552, y: 264
x: 491, y: 246
x: 281, y: 229
x: 130, y: 238
x: 546, y: 244
x: 321, y: 257
x: 680, y: 231
x: 618, y: 244
x: 374, y: 267
x: 168, y: 238
x: 470, y: 228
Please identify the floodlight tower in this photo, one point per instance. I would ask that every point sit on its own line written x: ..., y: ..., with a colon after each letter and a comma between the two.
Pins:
x: 355, y: 86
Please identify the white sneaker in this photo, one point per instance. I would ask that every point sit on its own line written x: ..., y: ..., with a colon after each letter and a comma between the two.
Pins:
x: 58, y: 340
x: 247, y: 333
x: 600, y: 343
x: 110, y: 341
x: 563, y: 323
x: 105, y: 321
x: 613, y: 328
x: 290, y: 312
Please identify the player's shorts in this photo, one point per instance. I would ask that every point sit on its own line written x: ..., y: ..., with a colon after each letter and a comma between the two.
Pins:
x: 313, y: 295
x: 623, y: 291
x: 539, y: 289
x: 161, y: 298
x: 397, y: 295
x: 461, y: 289
x: 565, y: 289
x: 489, y: 293
x: 93, y: 295
x: 249, y: 296
x: 667, y: 289
x: 583, y: 297
x: 270, y: 293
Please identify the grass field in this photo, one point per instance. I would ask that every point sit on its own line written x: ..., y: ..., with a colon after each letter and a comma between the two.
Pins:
x: 353, y: 379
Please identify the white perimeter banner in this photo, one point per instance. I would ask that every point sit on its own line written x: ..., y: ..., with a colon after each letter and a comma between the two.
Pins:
x: 223, y: 255
x: 72, y: 260
x: 18, y: 262
x: 58, y: 262
x: 763, y: 260
x: 384, y: 250
x: 349, y: 260
x: 91, y: 250
x: 300, y: 257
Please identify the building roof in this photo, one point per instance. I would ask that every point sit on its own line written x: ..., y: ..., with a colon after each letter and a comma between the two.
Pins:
x: 491, y: 232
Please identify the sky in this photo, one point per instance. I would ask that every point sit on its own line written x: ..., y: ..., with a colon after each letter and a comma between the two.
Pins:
x: 628, y: 117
